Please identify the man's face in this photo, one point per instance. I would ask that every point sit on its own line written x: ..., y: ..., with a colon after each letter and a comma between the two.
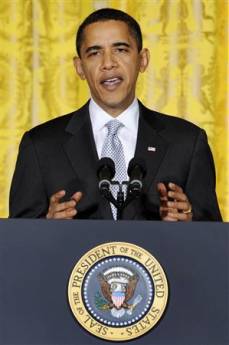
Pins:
x: 110, y: 62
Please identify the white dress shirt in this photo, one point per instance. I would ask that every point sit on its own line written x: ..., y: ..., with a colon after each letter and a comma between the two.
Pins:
x: 127, y: 134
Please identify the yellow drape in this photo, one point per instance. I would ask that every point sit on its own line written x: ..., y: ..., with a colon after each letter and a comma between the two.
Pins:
x: 187, y: 76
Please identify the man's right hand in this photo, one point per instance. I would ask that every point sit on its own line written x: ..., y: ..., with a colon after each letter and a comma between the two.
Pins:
x: 63, y: 210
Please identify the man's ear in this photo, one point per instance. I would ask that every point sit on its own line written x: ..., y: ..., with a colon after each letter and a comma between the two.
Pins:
x: 78, y: 67
x: 144, y: 59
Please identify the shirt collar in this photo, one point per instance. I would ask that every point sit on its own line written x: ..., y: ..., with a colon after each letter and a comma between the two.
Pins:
x: 100, y: 117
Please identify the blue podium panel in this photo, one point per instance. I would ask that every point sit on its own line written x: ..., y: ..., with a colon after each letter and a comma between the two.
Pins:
x: 37, y: 258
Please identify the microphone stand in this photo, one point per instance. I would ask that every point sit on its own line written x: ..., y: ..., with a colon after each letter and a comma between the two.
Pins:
x: 120, y: 203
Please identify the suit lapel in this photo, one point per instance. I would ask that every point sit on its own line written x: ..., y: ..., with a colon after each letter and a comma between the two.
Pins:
x: 151, y: 147
x: 81, y: 151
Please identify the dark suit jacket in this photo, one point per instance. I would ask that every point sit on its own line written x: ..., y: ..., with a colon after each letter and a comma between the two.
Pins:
x: 61, y: 154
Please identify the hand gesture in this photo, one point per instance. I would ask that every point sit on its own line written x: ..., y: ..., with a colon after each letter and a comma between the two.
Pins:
x: 174, y: 204
x: 63, y: 210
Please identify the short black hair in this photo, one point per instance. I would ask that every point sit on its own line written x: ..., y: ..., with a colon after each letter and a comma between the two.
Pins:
x: 105, y: 14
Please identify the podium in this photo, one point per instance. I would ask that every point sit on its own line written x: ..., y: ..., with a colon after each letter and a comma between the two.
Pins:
x: 37, y: 258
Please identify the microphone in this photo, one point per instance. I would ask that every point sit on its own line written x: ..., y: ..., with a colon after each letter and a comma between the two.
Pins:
x: 136, y: 172
x: 105, y: 173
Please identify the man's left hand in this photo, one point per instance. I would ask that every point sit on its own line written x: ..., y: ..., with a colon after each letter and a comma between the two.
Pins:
x: 174, y: 204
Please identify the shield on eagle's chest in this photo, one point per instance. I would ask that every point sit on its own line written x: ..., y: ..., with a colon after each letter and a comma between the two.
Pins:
x: 118, y: 298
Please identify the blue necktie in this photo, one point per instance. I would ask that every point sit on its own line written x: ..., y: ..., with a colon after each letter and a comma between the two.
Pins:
x: 112, y: 147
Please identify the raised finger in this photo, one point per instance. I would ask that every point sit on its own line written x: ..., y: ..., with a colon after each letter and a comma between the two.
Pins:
x: 57, y: 196
x: 168, y: 209
x: 170, y: 217
x: 180, y: 196
x: 174, y: 187
x: 179, y: 205
x: 63, y: 206
x: 77, y: 197
x: 66, y: 214
x: 184, y: 216
x: 162, y: 191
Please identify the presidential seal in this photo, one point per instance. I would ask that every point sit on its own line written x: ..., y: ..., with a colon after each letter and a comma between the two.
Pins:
x: 118, y: 291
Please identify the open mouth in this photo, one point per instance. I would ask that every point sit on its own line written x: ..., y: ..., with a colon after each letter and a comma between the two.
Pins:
x: 111, y: 83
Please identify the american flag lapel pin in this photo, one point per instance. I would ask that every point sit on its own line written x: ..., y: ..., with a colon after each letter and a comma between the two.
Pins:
x: 151, y: 149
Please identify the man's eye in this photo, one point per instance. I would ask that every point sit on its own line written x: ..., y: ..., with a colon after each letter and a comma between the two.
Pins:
x: 122, y: 50
x: 93, y: 53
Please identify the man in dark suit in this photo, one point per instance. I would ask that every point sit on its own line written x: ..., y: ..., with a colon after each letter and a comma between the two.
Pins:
x: 55, y: 175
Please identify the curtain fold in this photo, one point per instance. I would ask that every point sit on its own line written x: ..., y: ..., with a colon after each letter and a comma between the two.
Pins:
x: 187, y: 76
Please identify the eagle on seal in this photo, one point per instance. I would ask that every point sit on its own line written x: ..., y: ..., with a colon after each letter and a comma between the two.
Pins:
x: 118, y: 287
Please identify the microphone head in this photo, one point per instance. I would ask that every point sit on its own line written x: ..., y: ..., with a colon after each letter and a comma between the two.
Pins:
x: 137, y: 163
x: 106, y: 163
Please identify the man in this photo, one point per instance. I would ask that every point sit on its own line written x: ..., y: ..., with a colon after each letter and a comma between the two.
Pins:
x: 55, y: 175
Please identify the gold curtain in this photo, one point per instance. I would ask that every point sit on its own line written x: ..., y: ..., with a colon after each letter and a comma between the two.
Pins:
x: 187, y: 76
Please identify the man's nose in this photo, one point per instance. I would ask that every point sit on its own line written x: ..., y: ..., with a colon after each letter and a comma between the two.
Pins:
x: 108, y: 61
